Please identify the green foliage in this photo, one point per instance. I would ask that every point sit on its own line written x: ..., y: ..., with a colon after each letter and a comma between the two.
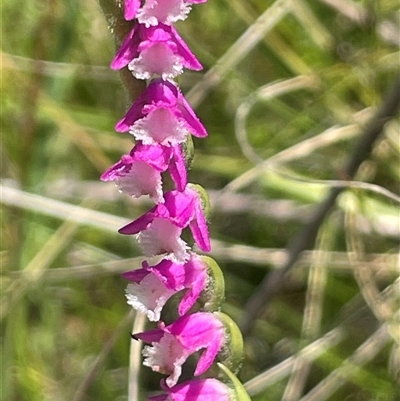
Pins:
x: 62, y: 294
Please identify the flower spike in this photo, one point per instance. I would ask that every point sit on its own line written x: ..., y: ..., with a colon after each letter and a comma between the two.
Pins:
x: 162, y: 123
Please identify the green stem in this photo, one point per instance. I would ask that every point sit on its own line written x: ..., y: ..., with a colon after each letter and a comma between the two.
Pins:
x: 113, y: 11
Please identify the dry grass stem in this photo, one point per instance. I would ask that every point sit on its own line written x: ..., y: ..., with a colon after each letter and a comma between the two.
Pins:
x: 301, y: 165
x: 135, y: 358
x: 384, y: 308
x: 349, y: 368
x: 313, y: 314
x: 238, y: 51
x: 121, y: 329
x: 283, y: 369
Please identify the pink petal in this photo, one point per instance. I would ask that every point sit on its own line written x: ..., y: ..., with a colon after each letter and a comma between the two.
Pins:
x: 128, y: 50
x: 160, y: 228
x: 190, y: 60
x: 181, y: 206
x: 161, y: 93
x: 149, y: 336
x: 164, y: 99
x: 135, y: 275
x: 131, y: 8
x: 139, y: 224
x: 196, y: 282
x: 195, y: 390
x: 177, y: 168
x: 138, y: 173
x: 199, y: 230
x: 208, y: 356
x: 197, y: 331
x: 133, y: 114
x: 117, y: 170
x: 190, y: 277
x: 153, y: 286
x: 188, y: 334
x: 191, y: 118
x: 172, y: 274
x: 157, y: 156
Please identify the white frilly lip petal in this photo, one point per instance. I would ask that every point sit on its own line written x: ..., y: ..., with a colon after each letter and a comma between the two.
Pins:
x: 160, y: 126
x: 142, y: 179
x: 148, y: 63
x: 163, y: 237
x: 166, y: 356
x: 165, y: 11
x: 149, y: 296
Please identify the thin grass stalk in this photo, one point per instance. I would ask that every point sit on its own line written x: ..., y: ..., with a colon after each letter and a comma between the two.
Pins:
x: 366, y: 352
x: 311, y: 352
x: 80, y: 394
x: 135, y: 358
x: 238, y: 51
x: 313, y: 313
x: 34, y: 272
x: 383, y: 309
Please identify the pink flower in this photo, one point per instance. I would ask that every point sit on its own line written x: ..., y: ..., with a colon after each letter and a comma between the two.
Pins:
x: 155, y: 51
x: 153, y: 285
x: 139, y: 173
x: 171, y: 345
x: 161, y: 115
x: 160, y: 228
x: 195, y: 390
x: 155, y: 11
x: 131, y: 9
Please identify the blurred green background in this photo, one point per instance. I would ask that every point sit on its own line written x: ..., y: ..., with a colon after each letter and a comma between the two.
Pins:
x: 62, y: 294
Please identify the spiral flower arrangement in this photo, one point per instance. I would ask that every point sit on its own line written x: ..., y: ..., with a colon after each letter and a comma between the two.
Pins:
x: 162, y: 122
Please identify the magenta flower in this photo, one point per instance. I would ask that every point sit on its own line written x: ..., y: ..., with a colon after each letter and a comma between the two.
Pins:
x: 161, y: 115
x: 153, y: 285
x: 195, y: 390
x: 155, y: 51
x: 171, y: 345
x: 155, y: 11
x: 139, y: 173
x: 131, y: 8
x: 160, y: 228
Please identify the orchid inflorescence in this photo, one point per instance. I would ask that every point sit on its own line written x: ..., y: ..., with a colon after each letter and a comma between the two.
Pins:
x: 161, y: 122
